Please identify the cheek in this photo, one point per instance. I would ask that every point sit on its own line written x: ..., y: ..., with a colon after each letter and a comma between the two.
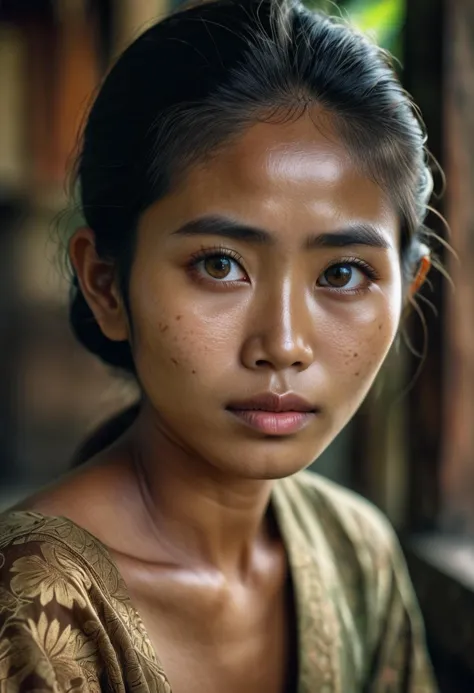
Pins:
x: 178, y: 339
x: 180, y: 329
x: 363, y: 340
x: 367, y: 351
x: 172, y: 341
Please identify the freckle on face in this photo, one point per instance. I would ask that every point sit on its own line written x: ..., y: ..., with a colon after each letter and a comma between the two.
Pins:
x: 263, y: 180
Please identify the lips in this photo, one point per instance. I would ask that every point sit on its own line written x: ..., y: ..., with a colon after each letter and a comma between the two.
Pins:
x: 271, y: 402
x: 274, y: 415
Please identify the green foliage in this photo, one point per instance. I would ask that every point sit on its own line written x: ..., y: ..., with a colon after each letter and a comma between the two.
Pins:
x: 382, y: 20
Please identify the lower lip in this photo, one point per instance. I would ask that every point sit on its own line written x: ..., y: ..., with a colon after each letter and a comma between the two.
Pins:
x: 274, y: 423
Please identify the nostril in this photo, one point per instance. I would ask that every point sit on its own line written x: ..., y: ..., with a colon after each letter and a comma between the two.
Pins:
x: 263, y: 363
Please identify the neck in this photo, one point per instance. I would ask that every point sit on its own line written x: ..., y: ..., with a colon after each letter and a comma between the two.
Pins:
x: 197, y: 513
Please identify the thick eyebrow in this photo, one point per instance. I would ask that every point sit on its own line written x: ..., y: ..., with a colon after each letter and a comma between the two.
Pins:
x: 225, y: 227
x: 359, y: 234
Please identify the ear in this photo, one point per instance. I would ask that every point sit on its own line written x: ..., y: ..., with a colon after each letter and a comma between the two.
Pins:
x: 97, y: 279
x: 423, y: 269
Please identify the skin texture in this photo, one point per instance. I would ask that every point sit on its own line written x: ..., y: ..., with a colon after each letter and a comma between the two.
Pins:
x: 199, y: 345
x: 193, y: 482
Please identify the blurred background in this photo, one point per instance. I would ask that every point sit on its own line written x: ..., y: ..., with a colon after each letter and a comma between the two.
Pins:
x: 410, y: 449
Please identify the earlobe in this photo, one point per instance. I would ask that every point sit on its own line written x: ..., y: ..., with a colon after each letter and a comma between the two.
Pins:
x: 422, y: 273
x: 97, y: 280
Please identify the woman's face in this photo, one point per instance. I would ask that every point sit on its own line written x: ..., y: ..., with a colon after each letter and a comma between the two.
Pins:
x: 272, y: 269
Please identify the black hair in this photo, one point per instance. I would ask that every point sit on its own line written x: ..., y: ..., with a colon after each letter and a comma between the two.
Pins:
x: 105, y: 434
x: 194, y: 81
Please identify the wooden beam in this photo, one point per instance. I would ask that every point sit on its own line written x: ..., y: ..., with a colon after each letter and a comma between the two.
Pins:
x: 425, y: 41
x: 457, y: 472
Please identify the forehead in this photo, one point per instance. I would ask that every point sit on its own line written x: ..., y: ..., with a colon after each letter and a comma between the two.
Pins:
x: 274, y: 172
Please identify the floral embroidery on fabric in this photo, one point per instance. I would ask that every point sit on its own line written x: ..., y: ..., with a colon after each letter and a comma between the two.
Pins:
x: 50, y: 577
x: 66, y: 621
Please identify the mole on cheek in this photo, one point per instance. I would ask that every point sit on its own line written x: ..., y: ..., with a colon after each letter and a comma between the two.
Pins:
x: 178, y: 317
x: 193, y: 372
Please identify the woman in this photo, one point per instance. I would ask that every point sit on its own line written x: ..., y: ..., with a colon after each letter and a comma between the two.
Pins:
x: 254, y: 184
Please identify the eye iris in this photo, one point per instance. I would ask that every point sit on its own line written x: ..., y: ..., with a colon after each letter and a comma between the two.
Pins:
x: 218, y: 266
x: 339, y: 275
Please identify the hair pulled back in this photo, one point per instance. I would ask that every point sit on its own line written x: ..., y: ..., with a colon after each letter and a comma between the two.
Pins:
x: 197, y: 79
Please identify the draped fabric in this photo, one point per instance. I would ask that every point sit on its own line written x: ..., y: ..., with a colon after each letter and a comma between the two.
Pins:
x: 67, y: 622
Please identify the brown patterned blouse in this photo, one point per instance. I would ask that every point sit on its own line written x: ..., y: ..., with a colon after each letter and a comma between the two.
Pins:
x: 67, y: 622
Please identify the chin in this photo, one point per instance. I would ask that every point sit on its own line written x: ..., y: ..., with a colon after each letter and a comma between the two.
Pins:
x: 267, y: 460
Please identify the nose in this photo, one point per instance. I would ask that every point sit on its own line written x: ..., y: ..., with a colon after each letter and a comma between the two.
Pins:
x: 280, y: 335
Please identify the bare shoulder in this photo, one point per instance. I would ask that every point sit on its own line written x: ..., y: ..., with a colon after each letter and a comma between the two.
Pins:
x: 100, y: 470
x: 88, y: 496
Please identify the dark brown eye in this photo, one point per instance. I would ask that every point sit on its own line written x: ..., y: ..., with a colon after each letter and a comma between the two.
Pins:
x: 218, y: 266
x: 347, y: 276
x: 338, y: 276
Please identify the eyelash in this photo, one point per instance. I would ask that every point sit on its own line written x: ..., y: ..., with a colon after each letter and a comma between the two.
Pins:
x: 213, y: 251
x: 206, y: 253
x: 371, y: 274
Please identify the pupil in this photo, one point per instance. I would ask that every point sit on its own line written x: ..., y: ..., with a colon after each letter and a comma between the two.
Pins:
x: 339, y: 275
x: 218, y: 266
